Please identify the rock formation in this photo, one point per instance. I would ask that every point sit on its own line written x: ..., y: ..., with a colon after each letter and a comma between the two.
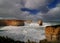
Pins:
x: 52, y: 33
x: 40, y: 22
x: 11, y: 22
x: 2, y: 23
x: 28, y: 21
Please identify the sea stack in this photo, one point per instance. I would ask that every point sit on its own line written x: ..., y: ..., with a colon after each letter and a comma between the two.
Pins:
x: 40, y: 22
x: 52, y: 33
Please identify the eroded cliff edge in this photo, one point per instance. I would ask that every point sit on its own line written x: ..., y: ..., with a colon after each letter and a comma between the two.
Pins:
x: 12, y: 23
x: 52, y: 33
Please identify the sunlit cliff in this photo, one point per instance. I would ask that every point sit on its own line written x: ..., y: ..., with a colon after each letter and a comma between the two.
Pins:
x: 11, y: 23
x: 52, y: 33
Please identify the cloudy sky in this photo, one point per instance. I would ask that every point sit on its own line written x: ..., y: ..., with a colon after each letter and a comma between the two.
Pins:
x: 28, y: 9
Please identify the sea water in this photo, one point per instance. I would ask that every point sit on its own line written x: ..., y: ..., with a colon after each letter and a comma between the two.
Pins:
x: 32, y: 31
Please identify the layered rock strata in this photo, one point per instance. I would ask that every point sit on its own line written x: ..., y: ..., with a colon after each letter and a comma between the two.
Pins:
x: 11, y: 22
x: 52, y: 33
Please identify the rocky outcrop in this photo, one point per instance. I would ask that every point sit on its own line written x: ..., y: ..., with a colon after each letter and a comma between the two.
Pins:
x: 52, y: 33
x: 40, y: 22
x: 28, y: 21
x: 11, y: 22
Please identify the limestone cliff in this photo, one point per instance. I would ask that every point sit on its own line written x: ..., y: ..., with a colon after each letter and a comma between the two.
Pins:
x: 11, y: 22
x: 52, y: 33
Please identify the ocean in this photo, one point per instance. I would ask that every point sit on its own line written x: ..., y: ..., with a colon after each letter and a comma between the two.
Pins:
x: 32, y: 31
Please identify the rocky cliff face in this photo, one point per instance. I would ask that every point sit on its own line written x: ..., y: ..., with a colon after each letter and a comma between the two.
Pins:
x: 11, y: 22
x: 52, y: 33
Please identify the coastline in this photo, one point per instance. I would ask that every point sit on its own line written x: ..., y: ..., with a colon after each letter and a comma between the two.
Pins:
x: 24, y: 30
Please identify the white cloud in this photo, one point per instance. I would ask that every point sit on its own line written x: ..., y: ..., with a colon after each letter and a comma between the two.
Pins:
x: 52, y: 14
x: 36, y: 4
x: 55, y: 11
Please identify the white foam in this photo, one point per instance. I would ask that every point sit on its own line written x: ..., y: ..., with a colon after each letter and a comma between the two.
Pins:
x: 30, y: 31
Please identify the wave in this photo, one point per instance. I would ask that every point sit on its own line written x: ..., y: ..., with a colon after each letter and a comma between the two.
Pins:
x: 32, y: 31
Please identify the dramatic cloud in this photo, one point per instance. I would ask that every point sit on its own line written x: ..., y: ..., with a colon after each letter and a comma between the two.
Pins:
x: 52, y: 15
x: 12, y: 9
x: 36, y: 4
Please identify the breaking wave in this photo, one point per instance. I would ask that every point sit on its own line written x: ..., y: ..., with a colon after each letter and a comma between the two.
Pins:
x: 32, y: 31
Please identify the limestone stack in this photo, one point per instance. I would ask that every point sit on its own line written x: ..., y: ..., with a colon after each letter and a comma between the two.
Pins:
x: 52, y: 33
x: 40, y: 22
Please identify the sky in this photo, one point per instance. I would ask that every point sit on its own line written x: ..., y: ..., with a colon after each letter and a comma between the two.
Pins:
x: 48, y: 10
